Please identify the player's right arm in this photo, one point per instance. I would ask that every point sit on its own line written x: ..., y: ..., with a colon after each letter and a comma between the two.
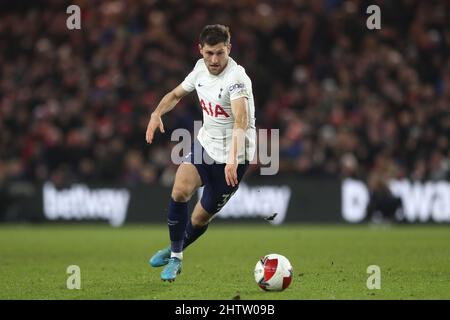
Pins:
x: 167, y: 103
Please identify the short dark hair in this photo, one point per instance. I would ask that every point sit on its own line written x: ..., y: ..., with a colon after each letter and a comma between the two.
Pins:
x: 214, y: 34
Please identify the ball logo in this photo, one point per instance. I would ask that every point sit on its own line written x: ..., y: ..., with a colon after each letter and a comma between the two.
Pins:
x: 270, y: 267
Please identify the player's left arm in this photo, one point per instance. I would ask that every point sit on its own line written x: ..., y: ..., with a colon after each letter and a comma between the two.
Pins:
x: 239, y: 109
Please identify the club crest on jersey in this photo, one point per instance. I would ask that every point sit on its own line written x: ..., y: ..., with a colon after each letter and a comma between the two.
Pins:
x: 213, y: 112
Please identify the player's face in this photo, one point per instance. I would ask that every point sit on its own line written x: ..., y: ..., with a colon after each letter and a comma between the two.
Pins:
x: 215, y: 57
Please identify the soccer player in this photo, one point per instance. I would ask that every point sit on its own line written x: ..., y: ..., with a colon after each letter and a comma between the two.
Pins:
x: 225, y: 144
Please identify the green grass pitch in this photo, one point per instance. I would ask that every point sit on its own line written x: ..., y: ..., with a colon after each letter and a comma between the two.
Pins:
x: 330, y: 261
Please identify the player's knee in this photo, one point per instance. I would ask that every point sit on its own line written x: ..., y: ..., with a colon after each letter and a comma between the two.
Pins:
x: 181, y: 194
x: 200, y: 220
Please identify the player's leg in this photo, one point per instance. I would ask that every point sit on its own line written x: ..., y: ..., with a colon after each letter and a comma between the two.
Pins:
x: 216, y: 194
x: 197, y: 225
x: 187, y: 181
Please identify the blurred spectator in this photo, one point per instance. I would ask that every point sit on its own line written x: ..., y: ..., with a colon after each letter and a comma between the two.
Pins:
x: 383, y: 205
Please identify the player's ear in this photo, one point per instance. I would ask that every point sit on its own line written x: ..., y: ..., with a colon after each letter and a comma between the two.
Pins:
x: 229, y: 47
x: 200, y: 49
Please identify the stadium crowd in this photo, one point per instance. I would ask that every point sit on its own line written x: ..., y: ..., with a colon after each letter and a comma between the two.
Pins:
x: 349, y: 101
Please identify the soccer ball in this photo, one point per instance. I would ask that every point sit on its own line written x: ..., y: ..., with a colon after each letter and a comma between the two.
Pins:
x: 273, y: 272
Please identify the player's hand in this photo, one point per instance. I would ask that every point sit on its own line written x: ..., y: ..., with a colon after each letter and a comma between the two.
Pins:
x: 231, y: 174
x: 155, y: 122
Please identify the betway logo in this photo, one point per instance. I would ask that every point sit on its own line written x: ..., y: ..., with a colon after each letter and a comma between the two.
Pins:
x: 257, y: 201
x: 422, y: 202
x: 80, y: 202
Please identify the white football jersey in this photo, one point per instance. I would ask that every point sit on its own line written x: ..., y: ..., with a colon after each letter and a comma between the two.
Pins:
x: 215, y: 94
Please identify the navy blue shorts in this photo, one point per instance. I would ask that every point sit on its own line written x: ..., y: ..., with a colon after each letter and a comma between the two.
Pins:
x: 216, y: 192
